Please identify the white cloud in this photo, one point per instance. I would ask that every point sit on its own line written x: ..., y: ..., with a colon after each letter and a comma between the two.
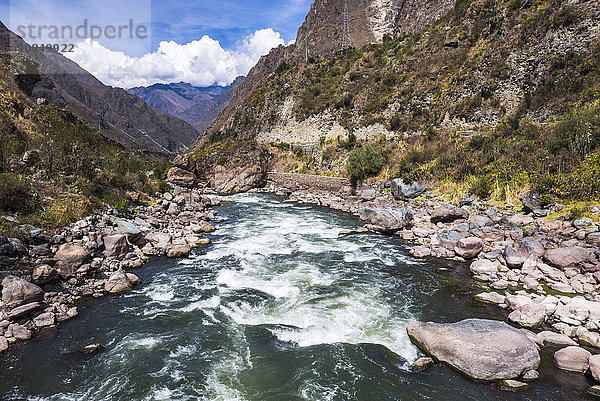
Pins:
x: 201, y: 62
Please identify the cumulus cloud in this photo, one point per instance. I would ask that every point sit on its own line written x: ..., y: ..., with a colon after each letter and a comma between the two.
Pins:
x: 201, y: 62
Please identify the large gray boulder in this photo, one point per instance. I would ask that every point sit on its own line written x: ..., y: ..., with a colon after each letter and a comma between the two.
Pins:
x: 115, y: 246
x: 469, y: 247
x: 385, y: 220
x: 6, y: 247
x: 447, y: 214
x: 400, y: 190
x: 118, y: 282
x: 571, y: 256
x: 16, y: 292
x: 482, y: 349
x: 572, y: 359
x: 70, y: 258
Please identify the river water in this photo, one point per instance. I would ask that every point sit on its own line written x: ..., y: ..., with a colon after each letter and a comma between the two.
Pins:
x: 279, y: 307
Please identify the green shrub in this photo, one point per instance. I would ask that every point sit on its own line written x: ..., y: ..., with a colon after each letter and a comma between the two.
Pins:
x: 365, y: 162
x: 16, y: 194
x: 578, y: 131
x: 482, y: 187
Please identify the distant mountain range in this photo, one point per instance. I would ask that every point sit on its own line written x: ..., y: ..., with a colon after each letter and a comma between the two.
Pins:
x: 196, y: 105
x: 113, y: 111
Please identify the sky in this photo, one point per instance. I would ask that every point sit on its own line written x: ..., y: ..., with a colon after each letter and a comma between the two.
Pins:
x: 142, y: 42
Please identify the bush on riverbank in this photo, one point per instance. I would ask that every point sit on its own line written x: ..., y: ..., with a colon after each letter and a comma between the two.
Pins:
x: 365, y: 162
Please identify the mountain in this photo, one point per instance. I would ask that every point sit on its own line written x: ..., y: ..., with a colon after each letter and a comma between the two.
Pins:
x: 447, y: 89
x: 117, y: 113
x: 197, y: 105
x: 175, y: 99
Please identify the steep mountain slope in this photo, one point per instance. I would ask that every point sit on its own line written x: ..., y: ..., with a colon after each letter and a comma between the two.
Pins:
x: 464, y: 72
x: 55, y: 167
x: 120, y: 115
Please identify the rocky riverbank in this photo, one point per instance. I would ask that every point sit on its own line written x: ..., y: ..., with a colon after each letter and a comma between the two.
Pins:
x: 541, y: 265
x: 43, y: 277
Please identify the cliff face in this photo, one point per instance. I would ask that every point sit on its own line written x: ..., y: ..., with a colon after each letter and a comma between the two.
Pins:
x: 320, y: 36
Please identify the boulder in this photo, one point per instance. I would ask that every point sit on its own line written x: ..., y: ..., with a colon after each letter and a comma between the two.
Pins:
x: 531, y: 202
x: 594, y: 363
x: 133, y: 279
x: 513, y: 258
x: 400, y: 190
x: 205, y: 227
x: 385, y: 220
x: 181, y: 177
x: 6, y: 247
x: 70, y: 258
x: 118, y: 282
x: 129, y: 230
x: 43, y: 274
x: 19, y: 332
x: 368, y: 194
x: 530, y: 315
x: 115, y: 246
x: 3, y: 344
x: 16, y: 291
x: 485, y: 269
x: 482, y: 349
x: 24, y: 310
x: 420, y: 251
x: 159, y: 240
x: 480, y: 221
x: 448, y: 214
x: 568, y: 256
x: 178, y: 251
x: 44, y: 320
x: 469, y: 247
x: 572, y: 359
x: 583, y: 223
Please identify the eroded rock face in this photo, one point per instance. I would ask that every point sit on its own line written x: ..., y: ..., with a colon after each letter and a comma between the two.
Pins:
x: 181, y: 177
x: 16, y: 292
x: 482, y: 349
x: 386, y: 220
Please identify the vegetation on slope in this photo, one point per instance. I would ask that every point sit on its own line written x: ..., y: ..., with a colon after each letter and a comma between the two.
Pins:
x: 56, y: 168
x: 482, y: 99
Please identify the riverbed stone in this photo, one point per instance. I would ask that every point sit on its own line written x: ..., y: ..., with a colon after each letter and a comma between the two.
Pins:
x: 553, y: 339
x: 70, y: 258
x: 43, y: 274
x: 44, y: 320
x: 17, y: 291
x: 594, y: 364
x: 469, y: 247
x: 513, y: 258
x: 385, y: 220
x: 3, y: 344
x: 178, y: 251
x: 19, y: 332
x: 422, y: 364
x: 572, y: 359
x: 530, y: 315
x: 485, y: 269
x: 118, y: 282
x: 448, y: 213
x: 491, y: 297
x: 420, y: 251
x: 115, y: 246
x: 482, y: 349
x: 24, y: 310
x: 568, y: 256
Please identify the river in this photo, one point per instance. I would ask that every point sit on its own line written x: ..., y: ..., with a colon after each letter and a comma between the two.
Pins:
x: 279, y: 307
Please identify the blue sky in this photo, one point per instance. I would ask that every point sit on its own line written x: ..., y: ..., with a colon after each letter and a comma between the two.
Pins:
x: 227, y: 21
x: 203, y: 42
